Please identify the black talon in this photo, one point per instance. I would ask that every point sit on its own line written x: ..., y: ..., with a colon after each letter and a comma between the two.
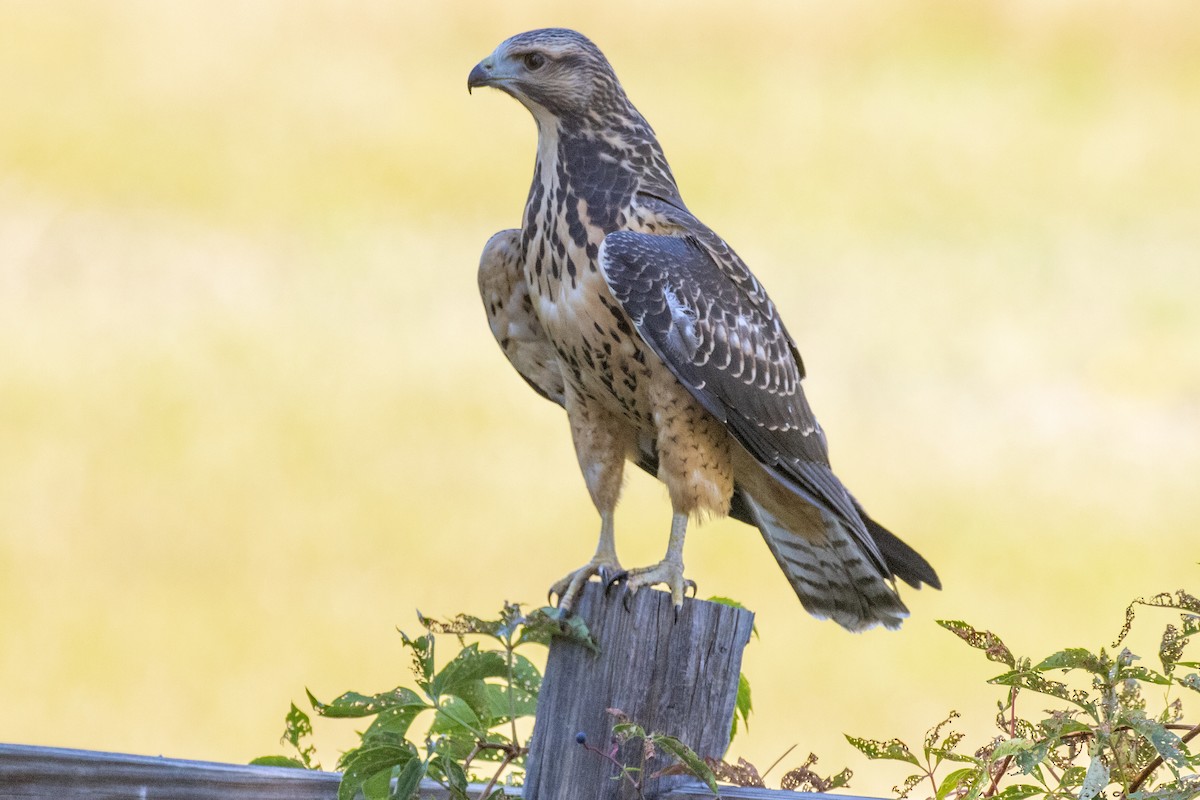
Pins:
x: 627, y: 600
x: 609, y: 583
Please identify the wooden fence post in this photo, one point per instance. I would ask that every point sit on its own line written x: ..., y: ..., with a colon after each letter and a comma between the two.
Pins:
x: 673, y: 676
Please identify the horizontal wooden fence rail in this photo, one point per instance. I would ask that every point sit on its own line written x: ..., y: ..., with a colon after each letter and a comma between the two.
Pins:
x: 52, y: 773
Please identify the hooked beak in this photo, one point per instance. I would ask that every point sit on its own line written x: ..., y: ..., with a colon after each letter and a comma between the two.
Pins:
x: 481, y: 75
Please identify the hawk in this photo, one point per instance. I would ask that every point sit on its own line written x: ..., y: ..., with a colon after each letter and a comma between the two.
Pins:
x: 618, y: 304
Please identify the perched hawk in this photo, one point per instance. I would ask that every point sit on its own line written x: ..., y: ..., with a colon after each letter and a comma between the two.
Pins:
x: 615, y: 302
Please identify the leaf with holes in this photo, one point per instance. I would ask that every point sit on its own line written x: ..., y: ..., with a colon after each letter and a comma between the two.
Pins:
x: 954, y: 782
x: 353, y: 704
x: 368, y: 762
x: 891, y: 750
x: 1074, y: 658
x: 470, y: 665
x: 1096, y: 779
x: 1034, y: 681
x: 1168, y: 745
x: 1018, y: 791
x: 686, y: 756
x: 986, y: 641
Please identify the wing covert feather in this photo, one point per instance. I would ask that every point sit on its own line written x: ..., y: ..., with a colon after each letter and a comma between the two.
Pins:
x: 697, y: 305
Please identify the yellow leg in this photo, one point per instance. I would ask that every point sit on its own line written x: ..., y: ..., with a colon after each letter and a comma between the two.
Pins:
x: 669, y: 571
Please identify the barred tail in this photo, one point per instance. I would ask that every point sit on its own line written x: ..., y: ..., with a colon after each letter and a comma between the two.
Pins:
x: 834, y: 579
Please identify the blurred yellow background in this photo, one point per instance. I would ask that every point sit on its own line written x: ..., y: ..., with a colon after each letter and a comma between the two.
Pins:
x: 251, y: 415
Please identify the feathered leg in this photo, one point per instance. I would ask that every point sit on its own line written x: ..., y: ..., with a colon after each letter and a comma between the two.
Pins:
x: 602, y: 444
x: 694, y: 462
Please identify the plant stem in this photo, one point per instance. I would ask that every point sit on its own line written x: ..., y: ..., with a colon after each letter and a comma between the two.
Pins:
x: 508, y: 757
x: 1012, y: 731
x: 512, y: 700
x: 637, y: 787
x: 775, y: 763
x: 471, y: 757
x: 991, y: 790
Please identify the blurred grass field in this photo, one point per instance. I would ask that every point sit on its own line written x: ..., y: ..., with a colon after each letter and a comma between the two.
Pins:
x: 252, y: 416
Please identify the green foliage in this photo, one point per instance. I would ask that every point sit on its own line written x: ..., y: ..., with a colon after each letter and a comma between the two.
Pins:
x: 675, y: 757
x: 296, y: 733
x: 1100, y: 738
x: 472, y: 703
x: 742, y: 707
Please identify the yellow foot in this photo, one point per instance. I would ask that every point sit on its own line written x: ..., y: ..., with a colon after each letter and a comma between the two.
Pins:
x: 567, y: 589
x: 665, y: 572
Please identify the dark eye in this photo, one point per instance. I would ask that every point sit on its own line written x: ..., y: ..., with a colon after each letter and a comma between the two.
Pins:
x: 534, y: 61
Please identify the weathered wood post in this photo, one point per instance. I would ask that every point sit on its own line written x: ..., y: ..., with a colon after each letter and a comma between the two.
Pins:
x: 673, y: 676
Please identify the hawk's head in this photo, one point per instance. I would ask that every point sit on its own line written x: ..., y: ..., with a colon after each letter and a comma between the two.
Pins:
x: 552, y: 71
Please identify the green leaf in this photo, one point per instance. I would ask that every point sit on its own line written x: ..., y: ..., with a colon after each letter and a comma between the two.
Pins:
x: 931, y: 735
x: 1170, y: 650
x: 408, y: 780
x: 892, y: 750
x: 454, y: 717
x: 743, y: 705
x: 548, y: 623
x: 1096, y: 779
x: 1034, y: 681
x: 278, y: 761
x: 1029, y: 760
x: 451, y: 774
x: 1073, y: 776
x: 391, y: 725
x: 368, y: 762
x: 297, y: 727
x: 986, y: 641
x: 902, y: 791
x: 354, y: 705
x: 496, y: 703
x: 1018, y: 791
x: 378, y: 786
x: 1168, y: 745
x: 1190, y: 681
x: 1010, y: 747
x: 469, y: 665
x: 467, y: 625
x: 1074, y: 658
x: 1145, y: 674
x: 628, y: 730
x: 1182, y: 601
x: 953, y: 781
x: 943, y: 750
x: 1061, y: 724
x: 686, y: 756
x: 1186, y: 788
x: 491, y: 703
x: 422, y: 648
